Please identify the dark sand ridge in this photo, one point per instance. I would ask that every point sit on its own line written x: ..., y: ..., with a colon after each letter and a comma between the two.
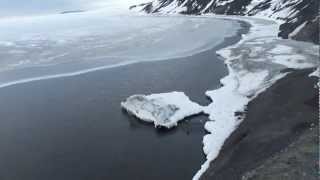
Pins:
x: 73, y: 127
x: 275, y: 119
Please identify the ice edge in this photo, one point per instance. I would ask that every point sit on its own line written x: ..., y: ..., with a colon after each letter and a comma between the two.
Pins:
x: 243, y: 85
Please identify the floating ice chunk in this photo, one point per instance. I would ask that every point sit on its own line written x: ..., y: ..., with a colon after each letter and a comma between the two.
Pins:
x: 164, y: 109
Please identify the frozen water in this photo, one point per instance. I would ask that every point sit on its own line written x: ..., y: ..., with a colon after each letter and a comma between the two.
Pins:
x: 164, y: 110
x: 73, y: 43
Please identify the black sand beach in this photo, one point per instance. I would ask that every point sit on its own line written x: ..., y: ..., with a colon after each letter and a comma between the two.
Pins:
x: 73, y: 128
x: 274, y: 120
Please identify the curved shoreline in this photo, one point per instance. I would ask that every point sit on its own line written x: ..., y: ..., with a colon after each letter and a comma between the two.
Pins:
x: 274, y: 119
x: 74, y: 69
x: 83, y: 112
x: 213, y: 94
x: 246, y: 81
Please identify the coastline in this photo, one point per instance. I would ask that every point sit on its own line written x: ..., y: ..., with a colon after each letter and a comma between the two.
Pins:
x: 255, y: 64
x: 79, y: 118
x: 198, y: 96
x: 274, y: 119
x: 56, y: 69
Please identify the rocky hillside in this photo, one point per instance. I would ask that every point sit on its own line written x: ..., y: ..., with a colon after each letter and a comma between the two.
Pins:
x: 300, y: 18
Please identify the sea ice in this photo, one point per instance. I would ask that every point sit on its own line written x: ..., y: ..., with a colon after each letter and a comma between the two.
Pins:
x: 164, y: 110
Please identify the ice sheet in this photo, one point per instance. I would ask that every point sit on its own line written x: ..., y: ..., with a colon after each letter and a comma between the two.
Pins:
x: 94, y: 39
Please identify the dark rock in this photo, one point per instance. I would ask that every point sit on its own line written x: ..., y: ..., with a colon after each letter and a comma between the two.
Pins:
x: 302, y: 12
x: 310, y: 32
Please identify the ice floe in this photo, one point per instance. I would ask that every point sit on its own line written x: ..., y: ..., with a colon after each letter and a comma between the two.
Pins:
x: 164, y: 110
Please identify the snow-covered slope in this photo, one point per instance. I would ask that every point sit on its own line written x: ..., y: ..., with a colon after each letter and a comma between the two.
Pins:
x: 300, y: 18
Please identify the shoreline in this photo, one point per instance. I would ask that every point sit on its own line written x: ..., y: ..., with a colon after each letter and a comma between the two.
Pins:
x: 240, y: 88
x: 275, y: 119
x: 226, y: 45
x: 19, y: 76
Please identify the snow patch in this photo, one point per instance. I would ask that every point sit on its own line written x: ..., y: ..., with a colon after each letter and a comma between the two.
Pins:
x: 281, y: 49
x: 294, y: 61
x: 297, y: 30
x: 316, y: 73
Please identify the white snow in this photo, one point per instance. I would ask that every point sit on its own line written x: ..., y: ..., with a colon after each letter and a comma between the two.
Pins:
x: 278, y: 10
x: 248, y: 77
x: 281, y: 49
x: 316, y: 73
x: 249, y: 82
x: 295, y: 61
x: 297, y: 30
x: 173, y: 8
x: 208, y: 6
x: 164, y: 110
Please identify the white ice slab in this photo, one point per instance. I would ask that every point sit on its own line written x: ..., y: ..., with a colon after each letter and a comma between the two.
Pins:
x: 164, y: 110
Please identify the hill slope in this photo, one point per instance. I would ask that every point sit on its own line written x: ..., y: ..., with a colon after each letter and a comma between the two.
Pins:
x: 300, y: 18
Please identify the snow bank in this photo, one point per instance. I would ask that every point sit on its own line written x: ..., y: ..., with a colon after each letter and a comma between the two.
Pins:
x: 163, y: 110
x: 254, y: 64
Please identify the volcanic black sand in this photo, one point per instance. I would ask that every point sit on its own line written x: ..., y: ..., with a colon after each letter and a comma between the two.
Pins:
x: 300, y: 161
x: 275, y: 119
x: 74, y: 129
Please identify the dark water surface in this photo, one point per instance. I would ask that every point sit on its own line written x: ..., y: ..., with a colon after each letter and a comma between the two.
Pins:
x: 74, y: 129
